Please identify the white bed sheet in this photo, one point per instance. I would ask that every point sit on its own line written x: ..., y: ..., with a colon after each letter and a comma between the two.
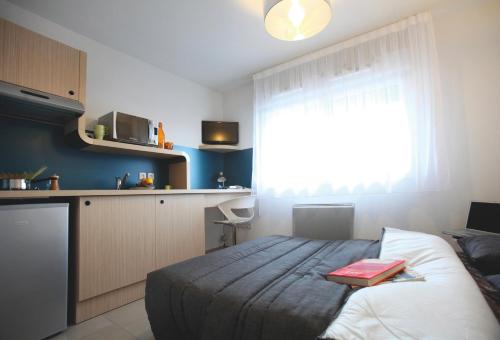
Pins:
x: 448, y: 305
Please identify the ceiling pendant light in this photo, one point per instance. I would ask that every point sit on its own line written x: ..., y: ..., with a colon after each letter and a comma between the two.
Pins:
x: 293, y: 20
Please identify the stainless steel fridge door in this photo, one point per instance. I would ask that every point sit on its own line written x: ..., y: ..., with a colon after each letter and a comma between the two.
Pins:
x: 34, y: 270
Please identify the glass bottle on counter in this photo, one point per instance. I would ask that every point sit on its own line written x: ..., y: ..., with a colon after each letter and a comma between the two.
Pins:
x: 161, y: 136
x: 221, y: 181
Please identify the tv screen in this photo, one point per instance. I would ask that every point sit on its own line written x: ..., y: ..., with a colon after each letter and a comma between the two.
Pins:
x: 484, y: 216
x: 213, y: 132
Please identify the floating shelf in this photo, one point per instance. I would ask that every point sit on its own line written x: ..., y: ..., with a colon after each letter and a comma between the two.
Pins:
x: 219, y: 148
x: 77, y: 129
x: 179, y: 173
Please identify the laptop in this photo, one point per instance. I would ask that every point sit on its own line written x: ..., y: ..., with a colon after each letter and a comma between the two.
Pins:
x: 483, y: 219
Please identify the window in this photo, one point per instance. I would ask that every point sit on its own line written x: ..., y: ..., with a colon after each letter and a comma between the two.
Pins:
x: 359, y: 119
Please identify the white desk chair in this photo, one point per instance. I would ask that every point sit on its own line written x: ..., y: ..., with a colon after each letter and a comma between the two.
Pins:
x: 233, y: 220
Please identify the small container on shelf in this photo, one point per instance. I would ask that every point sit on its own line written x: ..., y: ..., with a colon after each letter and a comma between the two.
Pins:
x: 161, y: 136
x: 169, y: 145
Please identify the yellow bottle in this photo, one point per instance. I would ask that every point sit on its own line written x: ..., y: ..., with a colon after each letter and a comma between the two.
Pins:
x: 161, y: 136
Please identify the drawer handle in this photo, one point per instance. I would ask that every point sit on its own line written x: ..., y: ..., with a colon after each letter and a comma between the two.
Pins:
x: 162, y: 201
x: 87, y: 203
x: 71, y: 92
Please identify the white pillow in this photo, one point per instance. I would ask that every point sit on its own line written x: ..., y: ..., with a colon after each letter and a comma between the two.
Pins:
x: 448, y: 305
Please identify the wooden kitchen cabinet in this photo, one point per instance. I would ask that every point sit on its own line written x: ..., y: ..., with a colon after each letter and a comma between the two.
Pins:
x: 34, y: 61
x: 120, y: 239
x: 115, y: 243
x: 180, y: 228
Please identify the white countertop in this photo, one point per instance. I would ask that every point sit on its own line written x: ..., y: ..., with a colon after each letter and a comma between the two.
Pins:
x: 8, y: 194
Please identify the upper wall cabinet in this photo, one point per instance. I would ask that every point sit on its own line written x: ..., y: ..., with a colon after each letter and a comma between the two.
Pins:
x: 31, y: 60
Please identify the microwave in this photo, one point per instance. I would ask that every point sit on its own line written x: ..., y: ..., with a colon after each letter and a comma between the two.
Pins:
x: 125, y: 128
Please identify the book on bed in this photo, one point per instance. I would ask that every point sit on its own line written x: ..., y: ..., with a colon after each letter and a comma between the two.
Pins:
x: 366, y: 272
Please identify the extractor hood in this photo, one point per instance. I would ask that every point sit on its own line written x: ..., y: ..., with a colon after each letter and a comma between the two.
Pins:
x: 19, y: 102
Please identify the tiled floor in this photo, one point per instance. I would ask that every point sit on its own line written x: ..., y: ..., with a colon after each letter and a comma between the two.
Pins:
x: 129, y: 322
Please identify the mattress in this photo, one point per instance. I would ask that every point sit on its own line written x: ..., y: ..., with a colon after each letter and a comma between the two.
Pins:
x: 447, y: 305
x: 270, y: 288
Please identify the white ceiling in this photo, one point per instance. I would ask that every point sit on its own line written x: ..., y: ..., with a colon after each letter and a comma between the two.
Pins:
x: 216, y: 43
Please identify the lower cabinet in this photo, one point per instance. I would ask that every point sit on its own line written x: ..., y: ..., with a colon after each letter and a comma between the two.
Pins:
x: 116, y: 240
x: 180, y: 228
x: 120, y: 239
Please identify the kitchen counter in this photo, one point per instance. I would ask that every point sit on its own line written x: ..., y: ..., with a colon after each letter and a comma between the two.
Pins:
x: 122, y: 235
x: 10, y: 194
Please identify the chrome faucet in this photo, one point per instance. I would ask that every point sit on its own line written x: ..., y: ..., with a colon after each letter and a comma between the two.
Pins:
x: 121, y: 182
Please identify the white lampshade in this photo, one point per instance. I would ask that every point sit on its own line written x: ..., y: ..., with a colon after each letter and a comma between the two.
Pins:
x: 296, y: 19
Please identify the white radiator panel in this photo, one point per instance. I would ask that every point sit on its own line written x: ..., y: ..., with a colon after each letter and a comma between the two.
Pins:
x: 323, y: 221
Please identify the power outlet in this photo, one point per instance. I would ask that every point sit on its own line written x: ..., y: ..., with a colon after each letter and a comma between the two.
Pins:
x: 142, y: 175
x: 151, y: 175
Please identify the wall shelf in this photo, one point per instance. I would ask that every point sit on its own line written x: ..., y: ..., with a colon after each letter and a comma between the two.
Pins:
x: 99, y: 145
x: 179, y: 173
x: 219, y: 148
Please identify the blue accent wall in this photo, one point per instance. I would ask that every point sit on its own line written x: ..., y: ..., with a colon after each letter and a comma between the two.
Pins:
x: 205, y: 166
x: 26, y: 146
x: 238, y: 167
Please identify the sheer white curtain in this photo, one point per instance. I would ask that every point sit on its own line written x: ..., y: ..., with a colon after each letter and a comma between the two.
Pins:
x: 361, y: 116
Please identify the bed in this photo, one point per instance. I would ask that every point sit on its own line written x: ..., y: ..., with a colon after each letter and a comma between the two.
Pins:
x: 270, y: 288
x: 274, y: 288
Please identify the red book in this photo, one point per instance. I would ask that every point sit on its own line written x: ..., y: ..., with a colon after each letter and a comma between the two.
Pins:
x: 366, y: 272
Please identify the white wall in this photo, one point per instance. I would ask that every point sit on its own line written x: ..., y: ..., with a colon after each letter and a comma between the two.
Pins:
x: 468, y: 42
x: 238, y: 106
x: 116, y: 81
x: 468, y: 39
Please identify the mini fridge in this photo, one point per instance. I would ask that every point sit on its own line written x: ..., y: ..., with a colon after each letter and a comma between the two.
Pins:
x: 34, y: 270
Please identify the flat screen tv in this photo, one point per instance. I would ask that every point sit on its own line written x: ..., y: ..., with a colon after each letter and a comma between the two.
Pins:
x: 219, y: 133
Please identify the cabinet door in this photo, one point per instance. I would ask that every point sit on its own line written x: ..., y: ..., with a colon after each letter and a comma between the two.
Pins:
x: 31, y: 60
x: 115, y: 242
x: 180, y: 228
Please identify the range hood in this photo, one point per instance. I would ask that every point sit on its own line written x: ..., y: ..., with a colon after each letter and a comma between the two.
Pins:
x: 19, y: 102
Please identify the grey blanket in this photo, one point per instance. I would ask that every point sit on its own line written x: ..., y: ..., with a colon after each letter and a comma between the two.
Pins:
x: 270, y: 288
